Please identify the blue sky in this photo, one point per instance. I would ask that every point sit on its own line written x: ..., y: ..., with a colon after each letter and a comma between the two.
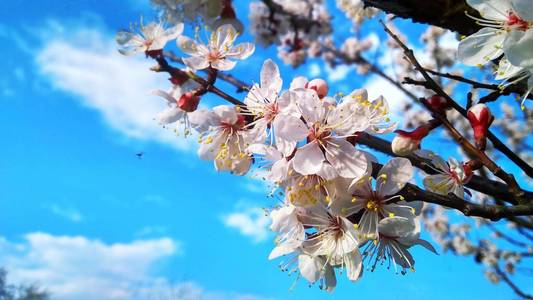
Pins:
x: 81, y: 215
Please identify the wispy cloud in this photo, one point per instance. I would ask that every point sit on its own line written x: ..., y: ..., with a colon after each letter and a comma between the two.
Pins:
x: 251, y: 222
x: 68, y: 213
x: 84, y: 62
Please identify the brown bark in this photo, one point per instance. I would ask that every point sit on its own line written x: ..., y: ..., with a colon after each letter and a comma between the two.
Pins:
x: 449, y: 14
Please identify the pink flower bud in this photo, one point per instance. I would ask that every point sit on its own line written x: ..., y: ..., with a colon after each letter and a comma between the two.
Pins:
x: 480, y: 119
x: 319, y: 85
x: 188, y: 102
x: 405, y: 143
x: 438, y: 103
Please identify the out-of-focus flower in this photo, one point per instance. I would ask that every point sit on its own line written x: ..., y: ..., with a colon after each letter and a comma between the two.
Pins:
x: 218, y: 53
x: 153, y: 37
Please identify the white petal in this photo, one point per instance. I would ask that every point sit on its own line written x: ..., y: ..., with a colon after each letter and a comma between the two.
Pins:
x: 310, y: 267
x: 349, y: 162
x: 223, y: 37
x: 396, y: 227
x: 270, y: 77
x: 223, y: 64
x: 354, y: 265
x: 170, y: 115
x: 491, y: 9
x: 298, y: 83
x: 174, y: 32
x: 394, y: 175
x: 311, y: 108
x: 196, y: 62
x: 308, y: 159
x: 481, y: 47
x: 289, y: 128
x: 506, y: 70
x: 518, y: 48
x: 191, y: 47
x: 241, y: 51
x: 226, y: 113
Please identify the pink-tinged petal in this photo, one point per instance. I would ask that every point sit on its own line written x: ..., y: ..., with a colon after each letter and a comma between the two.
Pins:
x: 241, y: 51
x: 223, y: 64
x: 327, y: 172
x: 310, y: 106
x: 394, y: 175
x: 349, y: 162
x: 279, y: 171
x: 191, y: 47
x: 226, y: 113
x: 308, y: 160
x: 270, y: 77
x: 196, y: 62
x: 481, y: 47
x: 289, y: 128
x: 354, y: 265
x: 285, y: 147
x: 298, y: 83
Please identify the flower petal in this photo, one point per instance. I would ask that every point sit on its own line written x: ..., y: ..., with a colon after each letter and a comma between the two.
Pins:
x: 518, y: 47
x: 481, y: 47
x: 223, y: 64
x: 394, y: 175
x: 270, y: 77
x: 349, y: 162
x: 308, y: 159
x: 196, y: 62
x: 491, y: 9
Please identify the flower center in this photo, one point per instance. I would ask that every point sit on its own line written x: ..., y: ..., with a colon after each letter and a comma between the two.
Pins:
x: 213, y: 55
x: 318, y: 133
x: 514, y: 21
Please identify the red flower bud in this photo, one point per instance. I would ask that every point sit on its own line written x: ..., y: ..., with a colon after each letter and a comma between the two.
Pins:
x: 480, y: 119
x: 188, y: 102
x: 319, y: 85
x: 178, y: 79
x: 438, y: 103
x: 405, y: 143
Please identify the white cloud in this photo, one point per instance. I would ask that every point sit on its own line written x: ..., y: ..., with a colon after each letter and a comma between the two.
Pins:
x: 314, y: 70
x: 75, y: 267
x: 68, y: 213
x: 85, y: 63
x: 251, y: 222
x: 338, y: 73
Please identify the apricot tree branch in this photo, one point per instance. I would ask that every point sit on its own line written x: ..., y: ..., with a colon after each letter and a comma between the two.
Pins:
x: 465, y: 144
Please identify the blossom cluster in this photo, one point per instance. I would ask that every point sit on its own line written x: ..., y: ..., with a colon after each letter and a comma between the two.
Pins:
x: 508, y: 31
x: 295, y: 41
x: 341, y: 209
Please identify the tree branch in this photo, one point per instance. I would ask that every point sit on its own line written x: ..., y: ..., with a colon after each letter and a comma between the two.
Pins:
x: 466, y: 145
x: 449, y: 14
